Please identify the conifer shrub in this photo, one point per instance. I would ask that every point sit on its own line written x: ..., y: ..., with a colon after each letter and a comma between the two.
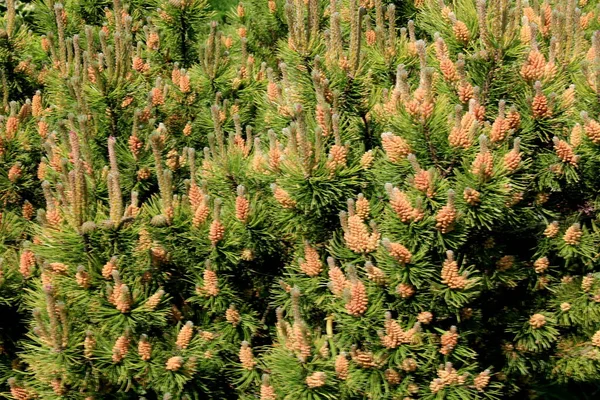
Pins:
x: 300, y: 199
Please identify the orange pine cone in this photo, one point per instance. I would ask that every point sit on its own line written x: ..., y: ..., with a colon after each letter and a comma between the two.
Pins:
x: 246, y: 356
x: 317, y: 379
x: 341, y: 366
x: 395, y: 147
x: 358, y: 303
x: 174, y: 363
x: 397, y: 251
x: 185, y: 335
x: 144, y: 349
x: 313, y: 265
x: 216, y: 232
x: 26, y: 263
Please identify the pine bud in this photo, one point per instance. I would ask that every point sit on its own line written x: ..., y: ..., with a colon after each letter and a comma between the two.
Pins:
x: 246, y: 356
x: 267, y: 392
x: 358, y: 302
x: 449, y: 341
x: 573, y: 235
x: 551, y: 229
x: 313, y: 265
x: 185, y: 335
x: 405, y: 290
x: 395, y: 147
x: 144, y: 348
x: 26, y: 263
x: 316, y: 379
x: 541, y: 265
x: 397, y: 251
x: 232, y: 315
x: 537, y: 321
x: 425, y: 317
x: 174, y: 363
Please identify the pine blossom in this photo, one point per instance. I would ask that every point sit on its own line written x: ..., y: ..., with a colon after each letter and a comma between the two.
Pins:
x: 185, y: 335
x: 242, y: 205
x: 154, y: 300
x: 587, y: 282
x: 246, y: 356
x: 565, y: 152
x: 533, y: 68
x: 551, y: 229
x: 337, y: 280
x: 358, y: 302
x: 448, y: 341
x: 120, y: 349
x: 357, y: 236
x: 26, y: 263
x: 392, y: 376
x: 537, y: 321
x: 446, y: 217
x: 425, y: 317
x: 232, y: 315
x: 375, y: 274
x: 311, y: 265
x: 316, y: 379
x: 541, y: 265
x: 144, y: 348
x: 397, y: 251
x: 216, y: 232
x: 211, y: 283
x: 405, y: 290
x: 174, y: 363
x: 109, y: 267
x: 573, y: 235
x: 539, y: 104
x: 342, y: 365
x: 395, y: 147
x: 596, y: 339
x: 450, y: 273
x: 282, y: 197
x: 471, y: 196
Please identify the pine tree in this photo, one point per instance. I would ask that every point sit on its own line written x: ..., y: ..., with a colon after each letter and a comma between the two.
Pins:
x: 300, y: 200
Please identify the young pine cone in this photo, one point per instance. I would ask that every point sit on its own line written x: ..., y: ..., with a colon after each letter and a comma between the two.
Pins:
x: 445, y: 218
x: 232, y: 316
x: 26, y: 263
x: 341, y: 366
x: 246, y: 356
x: 405, y: 290
x: 311, y: 265
x: 541, y: 265
x: 481, y: 381
x: 315, y: 380
x: 449, y: 341
x: 551, y: 230
x: 537, y: 321
x: 425, y: 317
x: 395, y: 147
x: 185, y: 335
x: 174, y: 363
x: 358, y: 303
x: 573, y: 235
x: 471, y: 196
x: 144, y: 348
x: 397, y: 251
